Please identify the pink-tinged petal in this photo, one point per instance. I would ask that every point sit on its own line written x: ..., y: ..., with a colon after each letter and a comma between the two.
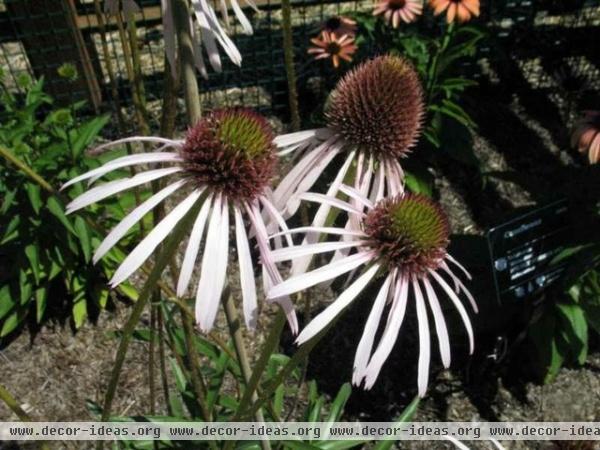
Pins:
x: 297, y: 251
x: 462, y: 12
x: 132, y: 218
x: 209, y: 40
x: 356, y: 195
x: 460, y: 286
x: 250, y: 305
x: 459, y: 265
x: 594, y: 151
x: 106, y: 190
x: 378, y: 188
x: 363, y: 351
x: 326, y: 316
x: 273, y: 275
x: 440, y: 323
x: 145, y: 248
x: 301, y: 265
x: 472, y: 6
x: 424, y: 340
x: 224, y: 40
x: 290, y: 182
x: 125, y: 161
x: 325, y: 273
x: 299, y: 137
x: 459, y: 307
x: 274, y: 214
x: 390, y: 333
x: 322, y: 198
x: 214, y: 266
x: 193, y: 247
x: 451, y: 12
x: 395, y: 19
x: 320, y: 230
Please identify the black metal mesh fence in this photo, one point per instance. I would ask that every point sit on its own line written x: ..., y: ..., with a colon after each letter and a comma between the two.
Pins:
x: 545, y: 44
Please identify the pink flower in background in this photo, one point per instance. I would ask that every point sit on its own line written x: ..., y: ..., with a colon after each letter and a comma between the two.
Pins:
x: 373, y: 118
x: 329, y: 45
x: 226, y: 162
x: 403, y: 241
x: 395, y: 11
x: 586, y: 137
x: 340, y: 25
x: 460, y: 10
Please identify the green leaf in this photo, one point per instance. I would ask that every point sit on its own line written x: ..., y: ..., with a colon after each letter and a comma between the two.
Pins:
x: 57, y: 210
x: 79, y: 312
x: 87, y: 132
x: 11, y: 323
x: 7, y: 202
x: 32, y: 253
x: 34, y: 192
x: 405, y: 416
x: 81, y: 229
x: 575, y: 325
x: 7, y: 302
x: 41, y: 295
x: 418, y: 184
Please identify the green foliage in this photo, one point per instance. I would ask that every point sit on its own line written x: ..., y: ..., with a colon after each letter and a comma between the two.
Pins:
x: 45, y: 254
x: 561, y: 333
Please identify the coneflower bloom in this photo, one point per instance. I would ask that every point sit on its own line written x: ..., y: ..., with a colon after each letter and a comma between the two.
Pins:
x: 403, y: 241
x: 226, y: 162
x: 111, y: 7
x: 207, y: 32
x: 340, y: 25
x: 329, y: 45
x: 374, y: 116
x: 395, y: 11
x: 586, y: 137
x: 461, y: 10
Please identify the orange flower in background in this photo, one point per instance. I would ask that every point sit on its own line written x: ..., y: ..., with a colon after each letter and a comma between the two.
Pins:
x: 461, y: 10
x: 329, y: 45
x: 396, y: 10
x: 586, y: 137
x: 340, y: 25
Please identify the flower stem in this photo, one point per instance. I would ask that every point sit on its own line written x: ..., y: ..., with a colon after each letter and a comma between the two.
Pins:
x: 181, y: 17
x: 12, y: 158
x: 169, y: 247
x: 288, y: 55
x: 13, y: 405
x: 233, y: 321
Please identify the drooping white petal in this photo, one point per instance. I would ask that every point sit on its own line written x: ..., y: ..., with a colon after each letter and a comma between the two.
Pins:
x: 250, y: 305
x: 197, y: 50
x: 390, y: 333
x: 286, y: 140
x: 214, y: 266
x: 244, y: 22
x: 363, y: 351
x: 440, y: 323
x: 273, y: 276
x: 459, y: 307
x: 145, y: 248
x: 355, y: 195
x: 459, y: 445
x: 320, y: 230
x: 459, y: 284
x: 129, y: 160
x: 213, y: 24
x: 297, y: 251
x: 306, y: 280
x: 106, y: 190
x: 133, y: 139
x: 301, y: 265
x: 209, y: 39
x: 169, y: 35
x: 322, y: 198
x: 326, y: 316
x: 424, y: 339
x: 377, y: 191
x: 132, y: 218
x: 497, y: 444
x: 193, y: 247
x: 459, y: 265
x: 274, y: 214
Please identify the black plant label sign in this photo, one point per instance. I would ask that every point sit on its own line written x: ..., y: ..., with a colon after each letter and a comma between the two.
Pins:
x: 523, y: 248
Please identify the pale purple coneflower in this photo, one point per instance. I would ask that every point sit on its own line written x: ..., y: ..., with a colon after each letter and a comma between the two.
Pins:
x: 374, y: 117
x: 395, y: 11
x: 207, y: 33
x: 402, y: 239
x: 226, y: 162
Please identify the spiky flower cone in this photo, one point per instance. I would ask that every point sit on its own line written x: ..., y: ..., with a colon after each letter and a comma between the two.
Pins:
x: 378, y: 106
